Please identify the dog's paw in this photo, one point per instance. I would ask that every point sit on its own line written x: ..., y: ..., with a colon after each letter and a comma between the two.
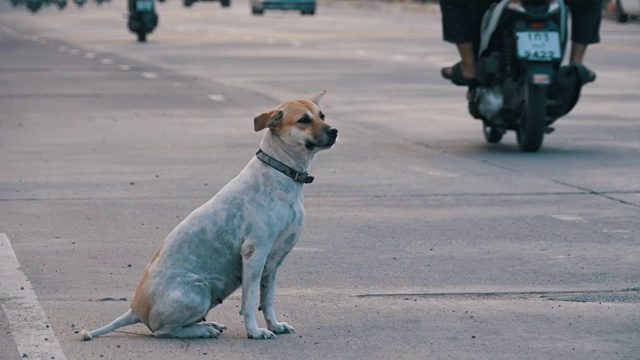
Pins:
x: 281, y: 328
x: 219, y: 327
x: 260, y: 333
x: 210, y: 332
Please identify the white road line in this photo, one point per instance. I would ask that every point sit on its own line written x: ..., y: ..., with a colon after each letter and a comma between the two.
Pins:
x: 306, y: 249
x: 434, y: 172
x: 149, y: 75
x: 216, y: 97
x: 106, y: 61
x: 89, y: 55
x: 616, y: 231
x: 124, y: 67
x: 30, y: 328
x: 571, y: 218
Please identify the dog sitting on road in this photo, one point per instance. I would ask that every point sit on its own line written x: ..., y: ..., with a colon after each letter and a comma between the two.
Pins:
x: 238, y: 238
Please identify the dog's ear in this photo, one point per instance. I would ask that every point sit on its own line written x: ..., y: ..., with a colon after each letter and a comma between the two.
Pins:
x: 316, y: 99
x: 269, y: 119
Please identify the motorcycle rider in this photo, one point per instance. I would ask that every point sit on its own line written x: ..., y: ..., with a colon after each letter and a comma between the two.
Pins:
x: 461, y: 21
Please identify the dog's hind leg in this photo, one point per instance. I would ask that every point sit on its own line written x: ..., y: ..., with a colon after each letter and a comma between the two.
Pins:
x: 215, y: 325
x: 180, y: 308
x: 193, y: 331
x: 128, y: 318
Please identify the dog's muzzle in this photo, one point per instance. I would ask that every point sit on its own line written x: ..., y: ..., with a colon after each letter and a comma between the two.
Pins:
x: 325, y: 140
x: 331, y: 135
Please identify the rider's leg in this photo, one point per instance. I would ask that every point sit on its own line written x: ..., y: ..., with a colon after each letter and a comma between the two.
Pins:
x: 586, y: 16
x: 461, y: 25
x: 577, y: 52
x: 467, y: 61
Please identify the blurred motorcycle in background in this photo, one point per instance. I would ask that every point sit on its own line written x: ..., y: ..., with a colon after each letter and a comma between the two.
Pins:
x: 522, y: 85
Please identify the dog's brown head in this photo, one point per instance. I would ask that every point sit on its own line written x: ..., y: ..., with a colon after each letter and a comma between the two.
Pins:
x: 300, y: 124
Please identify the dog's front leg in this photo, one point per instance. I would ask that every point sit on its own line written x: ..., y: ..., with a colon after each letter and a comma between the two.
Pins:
x: 267, y: 299
x: 253, y: 261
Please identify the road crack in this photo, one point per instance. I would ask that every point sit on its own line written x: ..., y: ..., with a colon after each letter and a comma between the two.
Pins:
x: 624, y: 295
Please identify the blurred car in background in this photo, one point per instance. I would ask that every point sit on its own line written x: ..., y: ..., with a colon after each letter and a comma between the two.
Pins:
x: 624, y: 9
x: 306, y: 7
x: 223, y: 3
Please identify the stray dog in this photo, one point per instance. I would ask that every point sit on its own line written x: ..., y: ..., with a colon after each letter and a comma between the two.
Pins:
x: 239, y: 237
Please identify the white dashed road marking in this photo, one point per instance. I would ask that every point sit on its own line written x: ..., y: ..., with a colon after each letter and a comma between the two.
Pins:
x: 149, y: 75
x: 216, y: 97
x: 571, y: 218
x: 124, y: 67
x: 307, y: 249
x: 89, y: 55
x: 30, y: 328
x: 106, y: 61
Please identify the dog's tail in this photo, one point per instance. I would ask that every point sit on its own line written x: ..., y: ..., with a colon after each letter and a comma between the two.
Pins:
x: 128, y: 318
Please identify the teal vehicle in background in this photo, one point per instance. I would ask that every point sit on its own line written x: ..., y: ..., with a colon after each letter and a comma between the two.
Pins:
x: 189, y: 3
x: 306, y: 7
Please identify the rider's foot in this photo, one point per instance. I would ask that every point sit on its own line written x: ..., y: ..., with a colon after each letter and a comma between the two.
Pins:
x: 591, y: 74
x: 460, y: 74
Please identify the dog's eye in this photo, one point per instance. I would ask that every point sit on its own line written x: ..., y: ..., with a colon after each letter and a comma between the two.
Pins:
x: 321, y: 115
x: 304, y: 120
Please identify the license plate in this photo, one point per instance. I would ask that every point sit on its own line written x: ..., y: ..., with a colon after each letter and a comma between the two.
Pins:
x: 539, y: 45
x: 144, y: 5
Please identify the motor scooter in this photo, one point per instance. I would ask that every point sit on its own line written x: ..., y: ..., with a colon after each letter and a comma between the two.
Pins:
x: 143, y: 18
x: 521, y: 83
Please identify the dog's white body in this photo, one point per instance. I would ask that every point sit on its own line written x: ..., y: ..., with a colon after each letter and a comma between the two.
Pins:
x: 239, y: 237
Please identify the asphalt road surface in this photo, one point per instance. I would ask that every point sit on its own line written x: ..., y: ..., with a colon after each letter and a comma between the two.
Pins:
x: 420, y: 240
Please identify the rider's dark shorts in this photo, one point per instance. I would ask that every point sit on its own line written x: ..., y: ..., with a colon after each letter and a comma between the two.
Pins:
x: 461, y: 20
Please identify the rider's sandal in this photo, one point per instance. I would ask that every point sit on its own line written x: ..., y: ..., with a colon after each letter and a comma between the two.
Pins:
x: 456, y: 76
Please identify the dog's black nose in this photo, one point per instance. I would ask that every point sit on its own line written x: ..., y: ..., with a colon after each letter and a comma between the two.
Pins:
x: 332, y: 132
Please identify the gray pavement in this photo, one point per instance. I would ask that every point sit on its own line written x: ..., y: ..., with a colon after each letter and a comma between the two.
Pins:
x: 420, y: 242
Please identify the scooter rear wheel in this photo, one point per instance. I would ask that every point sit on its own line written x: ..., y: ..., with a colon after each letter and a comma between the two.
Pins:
x: 533, y: 121
x: 142, y: 36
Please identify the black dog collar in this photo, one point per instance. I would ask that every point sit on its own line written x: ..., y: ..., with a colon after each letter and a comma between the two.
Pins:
x: 300, y: 177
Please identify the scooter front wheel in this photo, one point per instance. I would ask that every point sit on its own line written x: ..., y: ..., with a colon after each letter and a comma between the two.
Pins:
x: 533, y: 121
x: 142, y: 36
